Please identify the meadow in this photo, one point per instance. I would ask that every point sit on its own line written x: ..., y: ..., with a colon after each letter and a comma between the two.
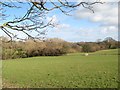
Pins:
x: 97, y: 70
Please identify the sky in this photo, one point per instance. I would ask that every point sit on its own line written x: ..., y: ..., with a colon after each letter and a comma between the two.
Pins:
x: 83, y: 25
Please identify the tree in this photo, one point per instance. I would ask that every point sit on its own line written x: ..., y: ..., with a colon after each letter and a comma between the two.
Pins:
x: 109, y: 39
x: 110, y: 43
x: 37, y: 9
x: 86, y: 48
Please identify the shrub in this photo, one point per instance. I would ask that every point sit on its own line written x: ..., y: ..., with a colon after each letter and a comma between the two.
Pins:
x: 51, y: 47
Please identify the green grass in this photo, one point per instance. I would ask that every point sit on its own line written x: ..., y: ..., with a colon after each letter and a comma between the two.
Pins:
x: 73, y: 71
x: 107, y: 52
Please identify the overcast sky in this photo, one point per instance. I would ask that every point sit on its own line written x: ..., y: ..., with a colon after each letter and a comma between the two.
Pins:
x: 83, y: 25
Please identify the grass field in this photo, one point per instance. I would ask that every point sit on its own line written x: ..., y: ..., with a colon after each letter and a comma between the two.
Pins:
x: 97, y: 70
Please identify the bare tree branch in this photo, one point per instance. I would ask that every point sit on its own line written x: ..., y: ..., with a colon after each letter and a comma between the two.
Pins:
x: 34, y: 19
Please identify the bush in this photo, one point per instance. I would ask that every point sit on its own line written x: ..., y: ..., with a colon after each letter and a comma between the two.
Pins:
x: 86, y: 48
x: 19, y: 53
x: 51, y: 47
x: 7, y: 54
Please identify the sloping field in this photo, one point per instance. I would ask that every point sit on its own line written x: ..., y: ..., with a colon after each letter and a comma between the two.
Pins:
x: 97, y: 70
x: 107, y: 52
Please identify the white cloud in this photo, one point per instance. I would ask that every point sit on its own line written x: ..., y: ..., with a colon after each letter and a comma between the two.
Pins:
x: 108, y: 29
x: 58, y: 26
x: 97, y: 0
x: 105, y: 14
x: 53, y: 19
x: 62, y: 26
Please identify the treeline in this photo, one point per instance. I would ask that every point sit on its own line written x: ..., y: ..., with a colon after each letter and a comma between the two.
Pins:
x: 107, y: 43
x: 51, y: 47
x: 30, y: 48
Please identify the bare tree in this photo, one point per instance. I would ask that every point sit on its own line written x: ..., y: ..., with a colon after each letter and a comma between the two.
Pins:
x: 35, y: 17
